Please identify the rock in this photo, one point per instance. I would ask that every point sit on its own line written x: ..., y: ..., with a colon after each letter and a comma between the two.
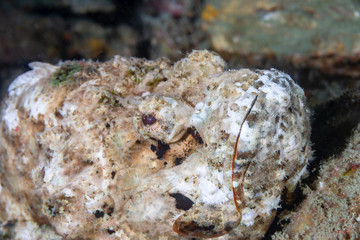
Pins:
x: 138, y: 149
x: 332, y: 209
x: 315, y: 35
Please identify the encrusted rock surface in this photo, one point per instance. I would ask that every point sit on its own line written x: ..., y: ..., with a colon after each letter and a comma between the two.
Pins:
x: 332, y: 210
x: 137, y: 149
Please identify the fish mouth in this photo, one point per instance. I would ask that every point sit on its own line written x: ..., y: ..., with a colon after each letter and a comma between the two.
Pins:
x: 218, y: 220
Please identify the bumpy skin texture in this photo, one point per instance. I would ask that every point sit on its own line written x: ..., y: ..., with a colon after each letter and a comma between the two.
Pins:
x: 136, y: 149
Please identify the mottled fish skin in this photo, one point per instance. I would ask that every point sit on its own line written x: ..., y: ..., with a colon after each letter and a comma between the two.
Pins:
x: 139, y: 149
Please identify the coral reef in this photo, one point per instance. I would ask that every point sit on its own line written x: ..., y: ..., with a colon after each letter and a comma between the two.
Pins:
x: 332, y: 209
x: 138, y: 149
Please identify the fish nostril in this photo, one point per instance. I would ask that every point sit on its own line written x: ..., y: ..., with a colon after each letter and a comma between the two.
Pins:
x: 148, y: 119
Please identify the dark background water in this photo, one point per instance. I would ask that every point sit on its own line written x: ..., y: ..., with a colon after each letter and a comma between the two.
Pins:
x: 51, y: 31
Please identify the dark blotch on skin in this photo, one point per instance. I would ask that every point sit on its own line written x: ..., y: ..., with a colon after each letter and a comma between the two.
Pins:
x: 58, y: 114
x: 178, y: 161
x: 161, y: 149
x: 209, y: 228
x: 153, y: 148
x: 195, y: 135
x: 99, y: 214
x: 10, y: 224
x: 113, y: 174
x: 251, y: 119
x: 182, y: 202
x: 193, y: 228
x: 246, y: 155
x: 110, y: 211
x: 110, y: 231
x: 229, y: 226
x: 148, y: 119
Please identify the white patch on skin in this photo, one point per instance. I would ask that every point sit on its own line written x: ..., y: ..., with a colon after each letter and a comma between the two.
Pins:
x: 100, y: 156
x: 153, y: 211
x: 232, y: 124
x: 199, y: 117
x: 19, y: 85
x: 296, y: 178
x: 25, y: 159
x: 248, y: 138
x: 11, y: 117
x: 280, y: 174
x: 248, y: 217
x: 269, y: 204
x: 24, y: 81
x: 199, y: 106
x: 202, y: 171
x: 121, y: 234
x: 145, y: 94
x: 293, y: 144
x: 275, y: 92
x: 49, y: 173
x: 68, y: 109
x: 92, y: 203
x: 68, y: 192
x: 52, y: 172
x: 166, y: 112
x: 36, y: 103
x: 210, y: 193
x: 218, y: 61
x: 235, y: 184
x: 219, y: 176
x: 202, y: 182
x: 222, y: 152
x: 183, y: 187
x: 28, y: 230
x: 172, y: 102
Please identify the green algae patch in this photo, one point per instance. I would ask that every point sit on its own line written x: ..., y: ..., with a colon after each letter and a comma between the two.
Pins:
x: 136, y: 72
x: 112, y: 98
x: 66, y: 74
x: 157, y: 79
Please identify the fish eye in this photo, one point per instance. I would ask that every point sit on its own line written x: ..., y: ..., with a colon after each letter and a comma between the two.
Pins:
x: 148, y: 119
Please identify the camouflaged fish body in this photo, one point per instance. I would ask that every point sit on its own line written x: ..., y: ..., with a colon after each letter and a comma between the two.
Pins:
x: 137, y: 149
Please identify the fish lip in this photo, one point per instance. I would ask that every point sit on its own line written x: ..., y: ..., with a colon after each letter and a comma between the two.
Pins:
x: 238, y: 192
